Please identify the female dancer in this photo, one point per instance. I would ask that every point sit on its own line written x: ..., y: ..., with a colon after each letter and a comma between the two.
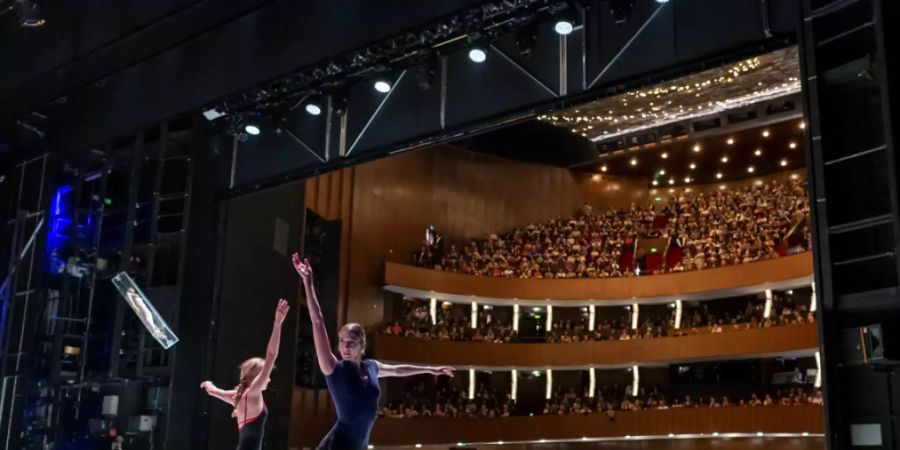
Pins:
x: 249, y: 409
x: 352, y: 381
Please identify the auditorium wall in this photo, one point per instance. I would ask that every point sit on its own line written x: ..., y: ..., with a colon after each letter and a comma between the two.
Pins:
x: 385, y: 206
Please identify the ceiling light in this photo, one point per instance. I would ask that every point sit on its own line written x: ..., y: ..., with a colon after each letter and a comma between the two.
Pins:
x: 633, y: 161
x: 765, y: 133
x: 750, y: 169
x: 722, y: 187
x: 671, y: 181
x: 693, y: 166
x: 382, y: 86
x: 671, y: 191
x: 662, y: 171
x: 655, y: 183
x: 418, y: 445
x: 563, y: 27
x: 696, y: 148
x: 671, y: 435
x: 792, y: 145
x: 805, y: 434
x: 758, y: 152
x: 687, y: 179
x: 759, y: 433
x: 730, y: 141
x: 802, y: 125
x: 719, y: 176
x: 664, y: 155
x: 313, y: 109
x: 478, y: 55
x: 604, y: 168
x: 724, y: 159
x: 783, y: 162
x: 794, y: 176
x: 715, y: 433
x: 252, y: 129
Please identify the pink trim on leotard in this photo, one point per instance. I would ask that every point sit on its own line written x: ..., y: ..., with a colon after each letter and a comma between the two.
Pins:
x: 246, y: 421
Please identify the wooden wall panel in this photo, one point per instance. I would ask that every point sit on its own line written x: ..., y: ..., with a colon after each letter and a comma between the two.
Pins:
x: 747, y: 343
x: 659, y: 423
x: 666, y: 285
x: 792, y: 419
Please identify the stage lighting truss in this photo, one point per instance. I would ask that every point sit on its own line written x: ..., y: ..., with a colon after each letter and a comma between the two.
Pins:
x: 405, y: 51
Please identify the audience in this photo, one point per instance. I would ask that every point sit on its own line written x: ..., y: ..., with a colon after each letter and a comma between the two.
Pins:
x: 416, y: 323
x: 451, y: 401
x: 708, y: 230
x: 448, y: 401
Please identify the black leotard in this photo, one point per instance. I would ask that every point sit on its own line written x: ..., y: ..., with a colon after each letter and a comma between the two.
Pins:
x: 251, y: 431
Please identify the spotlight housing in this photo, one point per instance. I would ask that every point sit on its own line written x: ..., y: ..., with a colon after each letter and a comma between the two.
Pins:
x: 252, y: 128
x: 477, y: 54
x: 563, y: 27
x: 382, y: 86
x: 313, y: 109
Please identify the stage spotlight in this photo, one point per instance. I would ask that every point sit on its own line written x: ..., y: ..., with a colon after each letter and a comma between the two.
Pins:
x: 252, y: 128
x: 313, y: 109
x: 382, y: 86
x: 563, y: 26
x: 477, y: 54
x: 662, y: 1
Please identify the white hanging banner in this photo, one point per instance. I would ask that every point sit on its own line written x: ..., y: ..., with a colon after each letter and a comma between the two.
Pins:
x: 145, y: 311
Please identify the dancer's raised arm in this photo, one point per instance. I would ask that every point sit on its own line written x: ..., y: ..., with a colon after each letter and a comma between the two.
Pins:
x: 259, y: 383
x: 326, y: 357
x: 408, y: 370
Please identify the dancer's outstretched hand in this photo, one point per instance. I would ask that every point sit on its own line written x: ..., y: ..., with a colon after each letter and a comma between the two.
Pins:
x: 206, y: 385
x: 303, y: 268
x: 281, y: 310
x: 444, y: 370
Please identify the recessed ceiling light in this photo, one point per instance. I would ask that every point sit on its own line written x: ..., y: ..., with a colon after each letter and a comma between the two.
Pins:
x: 792, y: 145
x: 802, y: 125
x: 655, y: 183
x: 696, y: 147
x: 724, y: 159
x: 758, y: 152
x: 719, y: 176
x: 604, y: 168
x: 784, y: 162
x: 750, y: 169
x: 664, y: 155
x: 765, y: 133
x: 633, y: 161
x: 671, y: 181
x: 693, y: 166
x: 662, y: 171
x: 730, y: 141
x: 687, y: 179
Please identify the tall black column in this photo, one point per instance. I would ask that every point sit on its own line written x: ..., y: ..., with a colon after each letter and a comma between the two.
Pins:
x: 851, y: 57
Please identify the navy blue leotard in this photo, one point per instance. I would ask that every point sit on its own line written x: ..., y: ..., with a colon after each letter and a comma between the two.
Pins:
x: 356, y: 403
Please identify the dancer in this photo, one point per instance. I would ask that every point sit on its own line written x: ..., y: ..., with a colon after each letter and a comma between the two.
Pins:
x: 352, y: 381
x: 249, y: 408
